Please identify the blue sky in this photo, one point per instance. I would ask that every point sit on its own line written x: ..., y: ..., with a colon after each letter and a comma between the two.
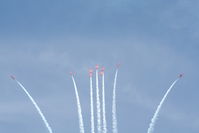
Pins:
x: 41, y: 41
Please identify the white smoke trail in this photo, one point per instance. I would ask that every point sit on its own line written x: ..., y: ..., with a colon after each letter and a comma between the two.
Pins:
x: 104, y: 106
x: 81, y: 123
x: 114, y: 117
x: 154, y: 118
x: 36, y: 106
x: 98, y: 104
x: 91, y: 104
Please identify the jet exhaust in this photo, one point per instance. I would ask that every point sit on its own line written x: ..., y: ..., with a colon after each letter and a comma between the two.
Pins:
x: 156, y: 114
x: 81, y: 123
x: 98, y: 102
x: 35, y: 105
x: 91, y: 102
x: 104, y: 104
x: 114, y: 113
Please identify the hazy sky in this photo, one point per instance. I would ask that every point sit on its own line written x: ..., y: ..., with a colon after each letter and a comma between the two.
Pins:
x: 42, y: 41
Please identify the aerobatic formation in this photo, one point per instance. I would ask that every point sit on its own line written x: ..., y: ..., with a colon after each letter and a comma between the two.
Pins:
x: 101, y: 123
x: 98, y: 103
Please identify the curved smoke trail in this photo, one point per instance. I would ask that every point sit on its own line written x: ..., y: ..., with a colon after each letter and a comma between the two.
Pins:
x: 36, y: 106
x: 114, y: 117
x: 81, y: 123
x: 98, y: 104
x: 91, y: 104
x: 154, y: 118
x: 104, y: 106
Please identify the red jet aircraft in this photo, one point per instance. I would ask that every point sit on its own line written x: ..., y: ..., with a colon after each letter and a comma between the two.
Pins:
x: 90, y: 71
x: 180, y: 75
x: 97, y: 66
x: 12, y: 77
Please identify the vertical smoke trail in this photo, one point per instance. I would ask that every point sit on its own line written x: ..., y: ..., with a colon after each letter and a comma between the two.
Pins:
x: 154, y: 118
x: 36, y: 106
x: 104, y: 105
x: 91, y: 104
x: 98, y: 104
x: 81, y: 123
x: 114, y: 117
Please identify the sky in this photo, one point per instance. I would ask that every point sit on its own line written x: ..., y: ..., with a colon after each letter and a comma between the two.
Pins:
x: 42, y: 41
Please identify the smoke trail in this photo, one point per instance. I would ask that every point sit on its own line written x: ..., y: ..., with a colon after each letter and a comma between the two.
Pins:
x: 98, y: 104
x: 91, y: 104
x: 104, y: 105
x: 154, y: 118
x: 81, y: 123
x: 114, y: 117
x: 36, y: 106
